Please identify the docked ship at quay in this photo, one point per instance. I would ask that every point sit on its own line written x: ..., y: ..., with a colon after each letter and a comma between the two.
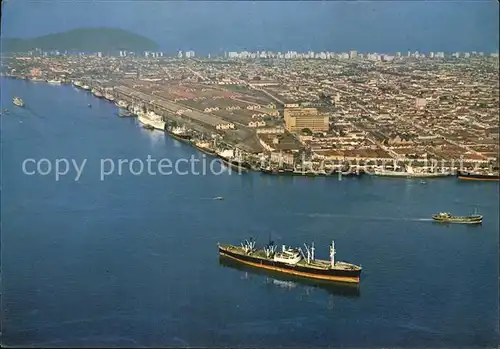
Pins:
x: 179, y: 132
x: 233, y: 159
x: 293, y: 261
x: 408, y: 172
x: 151, y: 120
x: 204, y: 147
x: 479, y: 176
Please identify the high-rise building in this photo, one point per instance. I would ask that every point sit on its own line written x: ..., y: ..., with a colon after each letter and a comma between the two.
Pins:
x: 297, y: 119
x: 179, y: 54
x: 353, y: 54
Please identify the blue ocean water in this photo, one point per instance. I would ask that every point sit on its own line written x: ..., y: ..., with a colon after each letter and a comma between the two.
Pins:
x: 132, y: 260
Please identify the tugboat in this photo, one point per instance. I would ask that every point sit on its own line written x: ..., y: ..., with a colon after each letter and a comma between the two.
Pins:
x: 445, y: 217
x: 292, y: 261
x: 18, y: 101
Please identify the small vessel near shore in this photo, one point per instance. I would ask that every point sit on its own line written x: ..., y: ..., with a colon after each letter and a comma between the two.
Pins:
x: 54, y: 82
x: 293, y: 261
x: 219, y: 198
x: 479, y: 176
x: 446, y: 217
x: 18, y: 101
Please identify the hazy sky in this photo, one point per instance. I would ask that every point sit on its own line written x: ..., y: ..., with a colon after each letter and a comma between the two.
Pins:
x: 205, y: 26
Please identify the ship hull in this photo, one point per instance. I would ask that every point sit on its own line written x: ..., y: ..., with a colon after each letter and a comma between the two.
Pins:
x: 478, y: 177
x: 240, y: 166
x: 205, y: 150
x: 409, y: 175
x: 180, y: 137
x: 459, y: 220
x: 335, y: 288
x: 159, y: 125
x: 348, y: 276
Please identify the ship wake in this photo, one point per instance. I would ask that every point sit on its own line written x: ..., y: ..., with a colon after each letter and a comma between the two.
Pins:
x: 366, y: 218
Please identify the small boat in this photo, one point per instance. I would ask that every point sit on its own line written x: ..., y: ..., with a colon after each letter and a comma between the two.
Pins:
x: 148, y: 127
x: 124, y: 114
x: 423, y: 182
x: 18, y: 101
x: 90, y: 105
x: 219, y: 198
x: 445, y: 217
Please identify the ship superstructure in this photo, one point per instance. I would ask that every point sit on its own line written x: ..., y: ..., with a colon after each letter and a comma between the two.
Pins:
x: 293, y: 261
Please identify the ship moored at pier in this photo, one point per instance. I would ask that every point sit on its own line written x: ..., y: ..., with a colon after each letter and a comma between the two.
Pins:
x: 179, y: 133
x: 293, y: 261
x: 476, y: 176
x: 408, y: 172
x: 234, y: 160
x: 151, y: 120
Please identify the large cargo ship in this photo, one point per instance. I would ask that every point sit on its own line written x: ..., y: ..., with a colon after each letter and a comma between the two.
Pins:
x: 179, y: 133
x: 475, y: 176
x: 230, y: 159
x: 290, y: 281
x: 97, y: 93
x: 445, y: 217
x: 293, y: 261
x: 204, y: 147
x: 311, y: 173
x: 408, y: 172
x: 151, y: 120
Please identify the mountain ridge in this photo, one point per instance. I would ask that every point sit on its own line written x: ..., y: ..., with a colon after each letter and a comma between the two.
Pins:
x: 82, y: 39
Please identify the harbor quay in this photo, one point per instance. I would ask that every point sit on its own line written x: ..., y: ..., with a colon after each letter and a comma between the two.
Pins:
x: 262, y: 118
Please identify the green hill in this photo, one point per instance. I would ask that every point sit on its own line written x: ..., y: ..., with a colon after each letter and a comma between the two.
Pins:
x: 82, y: 39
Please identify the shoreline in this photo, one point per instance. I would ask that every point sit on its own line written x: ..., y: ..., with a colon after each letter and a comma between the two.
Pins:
x: 358, y: 171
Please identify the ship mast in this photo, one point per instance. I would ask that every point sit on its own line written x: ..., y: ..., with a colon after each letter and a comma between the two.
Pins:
x: 332, y: 254
x: 310, y: 253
